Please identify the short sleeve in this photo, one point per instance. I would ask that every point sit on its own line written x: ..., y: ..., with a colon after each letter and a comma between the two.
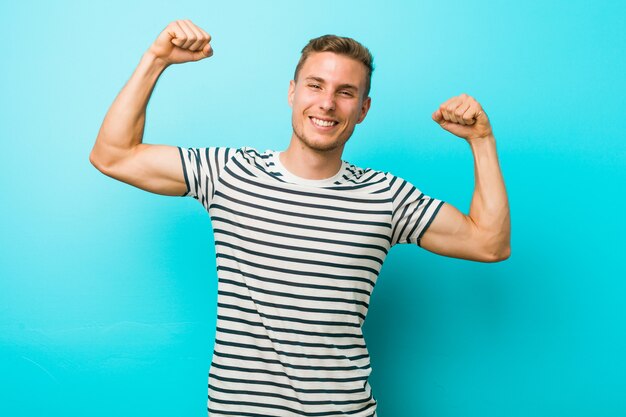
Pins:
x: 413, y: 211
x: 201, y: 168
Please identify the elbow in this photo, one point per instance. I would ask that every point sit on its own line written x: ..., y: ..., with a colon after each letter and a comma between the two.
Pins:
x: 101, y: 160
x: 105, y: 157
x: 503, y: 254
x: 499, y: 254
x: 496, y: 248
x: 93, y: 159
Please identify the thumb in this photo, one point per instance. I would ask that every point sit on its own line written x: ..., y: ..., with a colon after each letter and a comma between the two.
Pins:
x: 205, y: 52
x: 438, y: 117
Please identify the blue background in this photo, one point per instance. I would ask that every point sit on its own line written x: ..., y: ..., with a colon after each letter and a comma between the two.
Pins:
x: 107, y: 292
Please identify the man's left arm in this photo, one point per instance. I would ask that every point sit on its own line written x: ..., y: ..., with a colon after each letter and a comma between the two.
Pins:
x: 484, y: 235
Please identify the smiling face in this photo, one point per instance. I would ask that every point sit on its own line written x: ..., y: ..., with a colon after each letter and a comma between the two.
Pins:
x: 327, y: 100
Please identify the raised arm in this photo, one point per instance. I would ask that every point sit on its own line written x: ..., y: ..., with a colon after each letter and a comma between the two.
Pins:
x: 119, y: 152
x: 484, y: 235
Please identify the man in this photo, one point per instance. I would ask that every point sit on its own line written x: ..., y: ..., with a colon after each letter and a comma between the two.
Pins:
x: 301, y: 235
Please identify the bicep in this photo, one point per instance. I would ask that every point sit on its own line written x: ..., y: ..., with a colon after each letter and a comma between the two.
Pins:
x: 154, y: 168
x: 453, y: 234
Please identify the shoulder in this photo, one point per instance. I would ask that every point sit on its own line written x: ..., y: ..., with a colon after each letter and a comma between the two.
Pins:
x: 363, y: 175
x: 255, y: 156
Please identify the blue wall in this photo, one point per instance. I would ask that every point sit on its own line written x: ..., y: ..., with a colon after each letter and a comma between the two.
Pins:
x: 107, y: 292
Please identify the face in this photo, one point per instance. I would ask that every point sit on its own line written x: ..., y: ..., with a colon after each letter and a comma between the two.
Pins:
x: 327, y: 100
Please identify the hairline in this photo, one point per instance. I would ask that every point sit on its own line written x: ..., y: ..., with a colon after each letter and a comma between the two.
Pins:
x: 368, y: 72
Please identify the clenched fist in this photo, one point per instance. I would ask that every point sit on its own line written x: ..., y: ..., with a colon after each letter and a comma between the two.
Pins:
x: 464, y: 117
x: 181, y: 41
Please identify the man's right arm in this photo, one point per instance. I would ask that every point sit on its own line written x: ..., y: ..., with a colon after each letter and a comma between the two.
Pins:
x: 119, y: 152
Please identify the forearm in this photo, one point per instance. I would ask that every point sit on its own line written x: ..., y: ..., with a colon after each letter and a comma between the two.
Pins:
x: 123, y: 125
x: 489, y: 209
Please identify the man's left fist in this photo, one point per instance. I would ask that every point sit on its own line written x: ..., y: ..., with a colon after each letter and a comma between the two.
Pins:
x: 464, y: 117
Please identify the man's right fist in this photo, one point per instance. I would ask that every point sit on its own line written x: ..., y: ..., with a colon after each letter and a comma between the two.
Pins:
x: 181, y: 41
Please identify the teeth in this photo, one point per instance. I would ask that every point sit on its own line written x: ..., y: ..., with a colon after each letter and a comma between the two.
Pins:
x: 322, y: 123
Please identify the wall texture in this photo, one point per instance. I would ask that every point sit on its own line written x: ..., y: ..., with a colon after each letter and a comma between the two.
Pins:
x: 107, y: 292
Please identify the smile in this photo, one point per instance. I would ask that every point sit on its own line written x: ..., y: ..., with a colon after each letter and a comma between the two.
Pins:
x: 322, y: 122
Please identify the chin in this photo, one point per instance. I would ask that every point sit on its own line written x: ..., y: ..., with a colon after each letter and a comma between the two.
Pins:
x: 323, y: 145
x: 317, y: 142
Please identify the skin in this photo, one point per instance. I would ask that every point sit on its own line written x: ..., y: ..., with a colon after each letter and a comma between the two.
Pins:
x: 330, y: 87
x: 315, y: 153
x: 485, y: 233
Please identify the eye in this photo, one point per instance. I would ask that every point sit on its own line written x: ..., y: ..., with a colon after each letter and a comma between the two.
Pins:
x: 346, y: 93
x: 314, y: 85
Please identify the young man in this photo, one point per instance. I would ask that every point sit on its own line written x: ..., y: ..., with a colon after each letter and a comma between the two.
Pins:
x: 301, y: 235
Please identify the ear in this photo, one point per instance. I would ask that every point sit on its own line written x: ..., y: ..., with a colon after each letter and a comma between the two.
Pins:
x: 292, y: 90
x: 365, y: 106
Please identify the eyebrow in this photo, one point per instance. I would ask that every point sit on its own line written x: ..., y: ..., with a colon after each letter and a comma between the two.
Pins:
x: 342, y: 86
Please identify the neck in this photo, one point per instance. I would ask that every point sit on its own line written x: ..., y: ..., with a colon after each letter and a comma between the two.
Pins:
x: 309, y: 163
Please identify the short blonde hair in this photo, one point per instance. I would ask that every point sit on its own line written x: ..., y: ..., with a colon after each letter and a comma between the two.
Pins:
x: 342, y: 46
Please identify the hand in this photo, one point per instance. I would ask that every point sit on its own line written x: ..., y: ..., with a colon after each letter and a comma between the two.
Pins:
x: 464, y: 117
x: 181, y: 41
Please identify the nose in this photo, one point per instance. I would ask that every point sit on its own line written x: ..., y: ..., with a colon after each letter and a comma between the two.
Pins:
x: 327, y: 101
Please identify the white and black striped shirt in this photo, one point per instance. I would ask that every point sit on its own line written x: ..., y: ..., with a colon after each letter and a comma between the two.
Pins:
x: 297, y: 261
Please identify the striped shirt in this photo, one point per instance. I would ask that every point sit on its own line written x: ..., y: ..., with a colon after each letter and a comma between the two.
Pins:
x: 297, y: 261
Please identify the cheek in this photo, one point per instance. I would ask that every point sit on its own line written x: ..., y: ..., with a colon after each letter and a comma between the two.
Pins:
x: 352, y: 113
x: 300, y: 101
x: 303, y: 99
